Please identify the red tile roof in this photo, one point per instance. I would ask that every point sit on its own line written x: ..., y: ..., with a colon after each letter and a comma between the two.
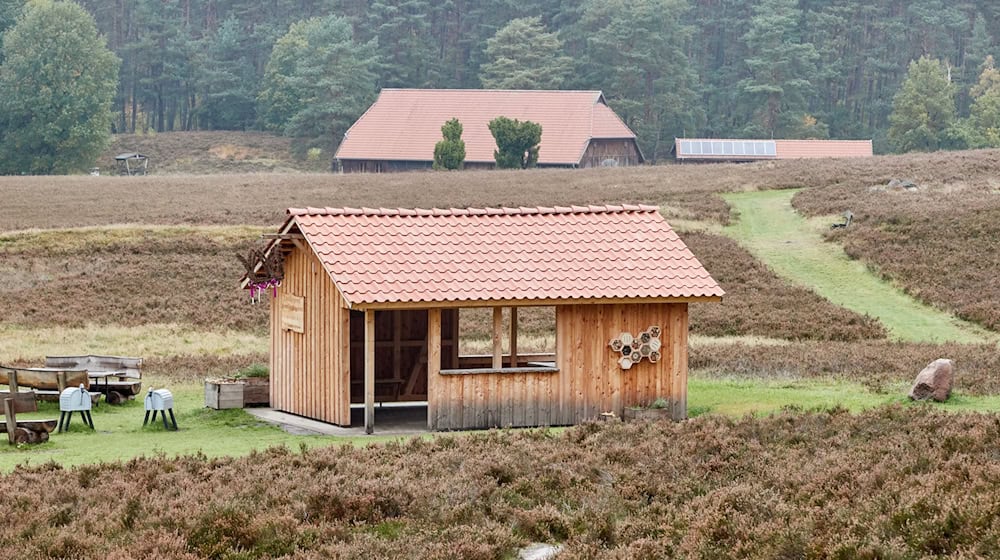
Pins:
x: 806, y: 149
x: 786, y: 149
x: 391, y: 256
x: 404, y: 124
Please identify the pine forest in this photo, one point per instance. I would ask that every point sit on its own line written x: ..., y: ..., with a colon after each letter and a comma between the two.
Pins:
x: 846, y: 69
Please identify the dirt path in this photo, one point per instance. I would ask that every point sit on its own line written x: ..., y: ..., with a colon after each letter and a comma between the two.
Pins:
x: 794, y: 248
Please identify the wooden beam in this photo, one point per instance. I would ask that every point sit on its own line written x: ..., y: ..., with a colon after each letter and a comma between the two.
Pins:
x: 433, y: 366
x: 497, y: 337
x: 524, y: 302
x: 369, y: 371
x: 282, y: 236
x: 513, y: 337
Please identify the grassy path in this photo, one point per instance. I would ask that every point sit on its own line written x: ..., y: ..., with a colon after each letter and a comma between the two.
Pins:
x: 794, y: 248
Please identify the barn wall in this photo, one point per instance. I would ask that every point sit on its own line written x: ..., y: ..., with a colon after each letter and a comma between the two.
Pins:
x: 589, y: 381
x: 310, y: 371
x: 622, y: 152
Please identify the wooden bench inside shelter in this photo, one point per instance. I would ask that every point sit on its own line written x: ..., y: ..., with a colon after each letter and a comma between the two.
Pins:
x: 117, y: 377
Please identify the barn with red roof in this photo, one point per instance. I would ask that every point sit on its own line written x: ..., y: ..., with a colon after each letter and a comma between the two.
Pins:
x: 490, y: 316
x: 399, y: 131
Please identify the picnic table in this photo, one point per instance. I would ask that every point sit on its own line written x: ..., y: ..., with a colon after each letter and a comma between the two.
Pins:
x: 117, y: 377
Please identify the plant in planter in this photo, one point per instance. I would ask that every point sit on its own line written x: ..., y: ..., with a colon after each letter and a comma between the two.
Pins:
x: 250, y: 386
x: 656, y: 410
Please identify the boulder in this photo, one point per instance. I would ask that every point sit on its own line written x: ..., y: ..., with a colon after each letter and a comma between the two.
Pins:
x: 902, y: 185
x: 934, y: 381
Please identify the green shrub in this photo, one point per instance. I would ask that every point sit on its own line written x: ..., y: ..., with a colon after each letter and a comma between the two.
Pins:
x: 253, y: 370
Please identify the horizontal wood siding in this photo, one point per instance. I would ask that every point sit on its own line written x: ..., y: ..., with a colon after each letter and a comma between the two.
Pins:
x: 589, y: 381
x: 310, y: 371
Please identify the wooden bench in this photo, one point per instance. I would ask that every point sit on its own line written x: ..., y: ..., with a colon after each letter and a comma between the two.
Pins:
x: 23, y: 431
x: 122, y: 367
x: 117, y: 377
x: 47, y: 383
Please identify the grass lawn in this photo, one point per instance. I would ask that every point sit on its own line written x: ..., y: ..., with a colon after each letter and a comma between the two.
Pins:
x: 120, y: 434
x: 794, y: 248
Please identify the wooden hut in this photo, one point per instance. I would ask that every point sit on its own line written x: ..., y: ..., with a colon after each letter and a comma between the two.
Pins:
x: 371, y: 304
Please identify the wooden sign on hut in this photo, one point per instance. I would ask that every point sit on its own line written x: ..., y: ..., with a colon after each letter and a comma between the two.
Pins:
x: 372, y: 304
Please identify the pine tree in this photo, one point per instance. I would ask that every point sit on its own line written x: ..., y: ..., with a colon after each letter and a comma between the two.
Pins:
x: 318, y: 82
x: 923, y: 109
x: 523, y: 55
x: 636, y: 55
x: 225, y: 80
x: 56, y: 86
x: 781, y: 69
x: 450, y: 152
x: 517, y: 143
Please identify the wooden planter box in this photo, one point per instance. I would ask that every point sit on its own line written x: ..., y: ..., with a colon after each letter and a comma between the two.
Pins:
x: 632, y: 414
x: 221, y: 393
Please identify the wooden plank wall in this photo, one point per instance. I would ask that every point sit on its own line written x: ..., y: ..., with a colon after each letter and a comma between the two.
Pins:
x: 589, y: 380
x: 622, y: 151
x: 310, y: 372
x: 590, y: 373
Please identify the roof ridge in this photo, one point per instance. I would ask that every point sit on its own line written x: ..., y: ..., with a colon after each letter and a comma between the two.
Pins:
x: 484, y: 211
x: 499, y: 90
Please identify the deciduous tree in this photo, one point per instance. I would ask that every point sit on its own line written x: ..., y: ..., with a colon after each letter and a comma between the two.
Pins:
x: 923, y: 110
x: 984, y: 117
x: 517, y: 143
x: 56, y: 86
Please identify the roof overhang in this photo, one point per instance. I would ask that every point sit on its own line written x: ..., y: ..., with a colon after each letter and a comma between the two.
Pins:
x: 523, y: 303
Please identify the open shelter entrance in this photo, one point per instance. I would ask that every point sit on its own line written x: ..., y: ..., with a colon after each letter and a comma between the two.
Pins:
x: 132, y: 163
x: 400, y: 354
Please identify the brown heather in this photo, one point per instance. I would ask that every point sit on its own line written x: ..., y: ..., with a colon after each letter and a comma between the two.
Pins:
x: 214, y: 151
x: 872, y: 363
x: 191, y: 278
x: 152, y: 278
x: 260, y: 199
x: 759, y: 303
x: 940, y: 244
x: 890, y: 483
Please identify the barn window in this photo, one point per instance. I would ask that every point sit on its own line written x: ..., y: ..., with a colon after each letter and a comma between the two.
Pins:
x: 488, y: 341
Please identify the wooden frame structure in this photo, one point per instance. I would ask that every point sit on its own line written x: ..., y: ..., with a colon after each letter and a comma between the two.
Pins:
x: 333, y: 344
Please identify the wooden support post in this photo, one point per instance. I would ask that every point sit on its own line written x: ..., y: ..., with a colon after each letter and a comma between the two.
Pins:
x: 434, y: 401
x: 497, y: 337
x: 12, y: 381
x: 369, y: 371
x: 11, y: 417
x: 513, y: 337
x: 397, y: 347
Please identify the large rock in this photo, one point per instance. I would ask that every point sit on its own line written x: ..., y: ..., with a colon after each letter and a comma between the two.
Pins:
x: 934, y: 381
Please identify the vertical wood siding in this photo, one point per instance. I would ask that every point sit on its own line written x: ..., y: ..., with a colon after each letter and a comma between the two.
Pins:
x: 589, y: 382
x: 310, y: 372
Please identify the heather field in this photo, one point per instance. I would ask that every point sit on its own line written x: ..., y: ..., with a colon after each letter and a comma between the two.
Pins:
x: 889, y: 483
x: 801, y: 443
x: 939, y: 243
